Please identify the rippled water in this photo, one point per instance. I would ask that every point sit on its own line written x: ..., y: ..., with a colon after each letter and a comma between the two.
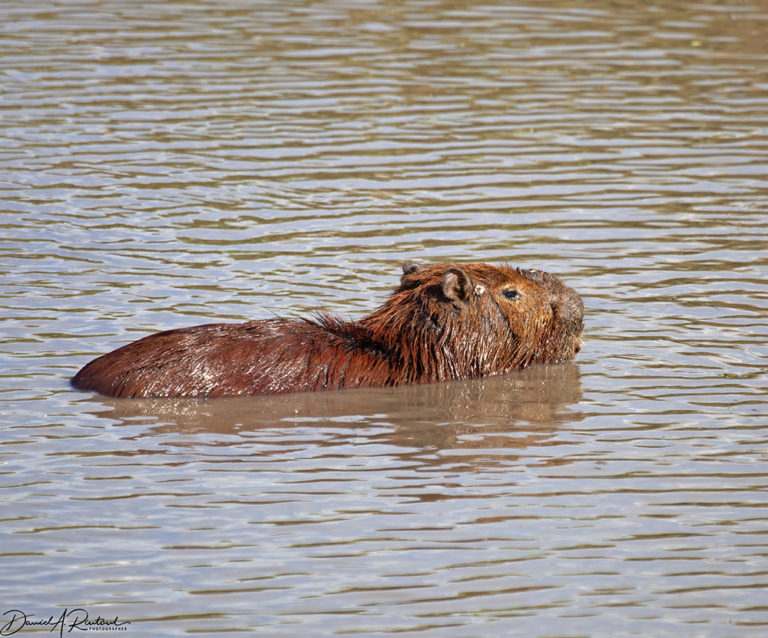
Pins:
x: 166, y: 164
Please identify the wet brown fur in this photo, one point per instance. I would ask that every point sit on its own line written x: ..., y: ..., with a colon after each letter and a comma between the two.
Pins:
x: 442, y: 322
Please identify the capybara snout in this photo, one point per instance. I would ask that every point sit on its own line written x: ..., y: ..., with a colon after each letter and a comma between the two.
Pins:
x: 443, y: 322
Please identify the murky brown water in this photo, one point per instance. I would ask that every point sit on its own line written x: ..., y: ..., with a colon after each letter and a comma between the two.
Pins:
x: 166, y: 164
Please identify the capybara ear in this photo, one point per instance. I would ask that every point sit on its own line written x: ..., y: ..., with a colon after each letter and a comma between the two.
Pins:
x: 408, y: 268
x: 456, y: 285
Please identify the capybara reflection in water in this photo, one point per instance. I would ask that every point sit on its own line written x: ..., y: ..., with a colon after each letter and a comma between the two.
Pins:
x: 443, y: 322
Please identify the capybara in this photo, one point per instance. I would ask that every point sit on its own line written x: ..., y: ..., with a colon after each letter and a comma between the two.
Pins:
x: 443, y: 322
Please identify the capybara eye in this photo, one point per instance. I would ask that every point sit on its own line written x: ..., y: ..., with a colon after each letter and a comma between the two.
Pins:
x: 511, y: 294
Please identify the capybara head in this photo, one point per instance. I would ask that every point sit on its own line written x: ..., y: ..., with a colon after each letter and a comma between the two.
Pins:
x: 474, y: 320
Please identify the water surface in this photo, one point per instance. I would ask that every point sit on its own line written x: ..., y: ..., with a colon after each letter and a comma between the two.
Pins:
x: 171, y: 164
